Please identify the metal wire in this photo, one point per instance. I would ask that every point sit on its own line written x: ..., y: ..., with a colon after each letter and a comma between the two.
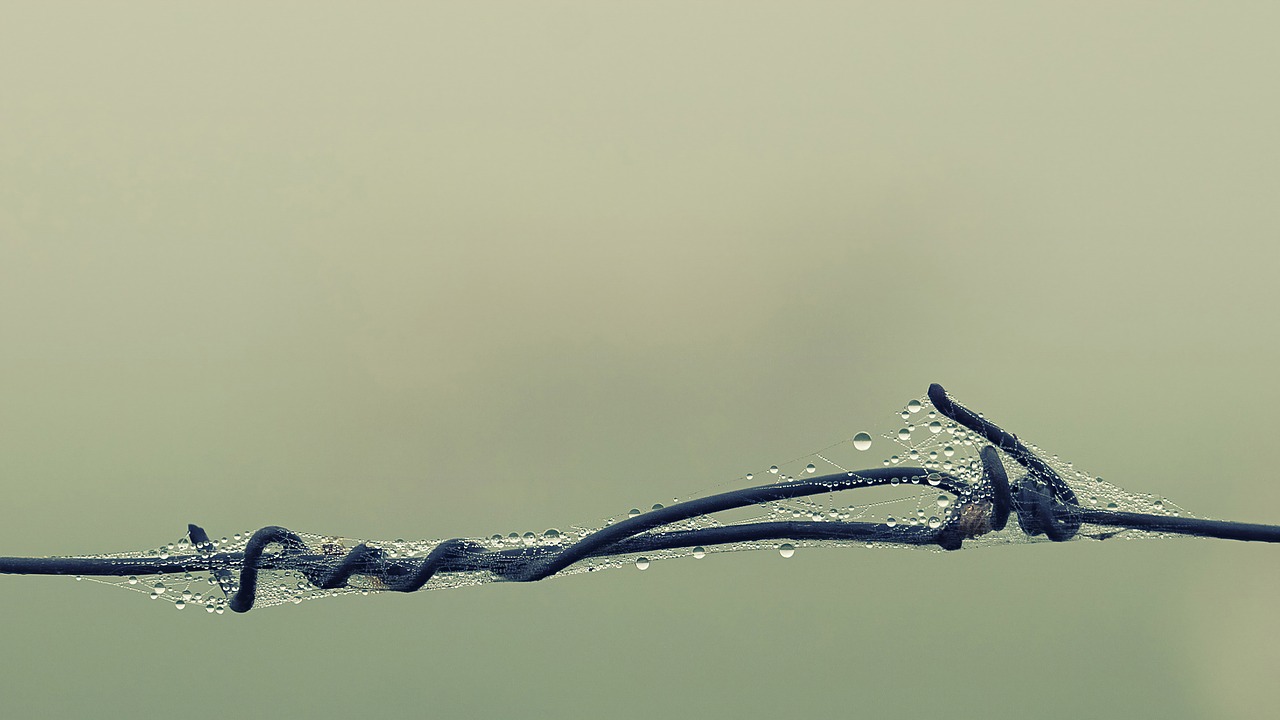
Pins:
x: 1040, y: 500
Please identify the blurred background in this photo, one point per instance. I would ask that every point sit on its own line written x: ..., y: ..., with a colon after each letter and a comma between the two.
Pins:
x: 426, y: 270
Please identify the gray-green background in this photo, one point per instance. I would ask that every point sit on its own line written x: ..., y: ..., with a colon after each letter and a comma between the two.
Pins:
x: 424, y: 270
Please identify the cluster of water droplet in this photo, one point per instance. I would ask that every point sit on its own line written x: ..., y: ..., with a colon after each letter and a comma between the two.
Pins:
x: 918, y: 436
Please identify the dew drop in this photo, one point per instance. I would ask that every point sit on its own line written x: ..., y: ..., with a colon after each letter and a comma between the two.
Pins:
x: 934, y: 522
x: 699, y: 552
x: 862, y: 441
x: 904, y: 434
x: 773, y: 469
x: 913, y: 406
x: 1112, y: 506
x: 935, y: 427
x: 552, y: 535
x: 657, y: 506
x: 948, y: 451
x: 635, y: 512
x: 642, y: 563
x: 809, y: 468
x: 935, y: 479
x: 943, y: 501
x: 891, y: 521
x: 159, y: 588
x: 751, y: 476
x: 133, y: 579
x: 180, y: 605
x: 786, y: 550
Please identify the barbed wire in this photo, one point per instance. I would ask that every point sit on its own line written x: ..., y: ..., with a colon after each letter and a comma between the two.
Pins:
x: 1040, y: 500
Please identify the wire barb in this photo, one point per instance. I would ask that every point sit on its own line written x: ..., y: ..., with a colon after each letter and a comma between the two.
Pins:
x: 1041, y: 501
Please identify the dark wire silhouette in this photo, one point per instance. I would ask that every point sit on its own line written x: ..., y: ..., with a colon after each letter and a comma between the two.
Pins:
x: 1040, y: 500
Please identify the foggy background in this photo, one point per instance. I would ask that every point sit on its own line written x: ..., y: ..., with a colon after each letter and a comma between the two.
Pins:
x: 427, y: 270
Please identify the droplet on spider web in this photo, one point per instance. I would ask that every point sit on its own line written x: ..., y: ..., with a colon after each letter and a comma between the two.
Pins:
x: 913, y: 406
x: 642, y: 563
x: 786, y: 550
x: 862, y: 441
x: 810, y: 468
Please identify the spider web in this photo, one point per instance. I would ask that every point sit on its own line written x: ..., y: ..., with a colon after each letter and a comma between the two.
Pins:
x: 917, y: 435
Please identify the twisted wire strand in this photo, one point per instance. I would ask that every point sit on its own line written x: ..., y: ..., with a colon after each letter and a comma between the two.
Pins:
x: 1040, y: 500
